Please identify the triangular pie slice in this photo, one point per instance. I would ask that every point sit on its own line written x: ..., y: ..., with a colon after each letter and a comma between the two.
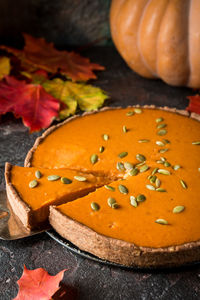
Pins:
x: 30, y: 197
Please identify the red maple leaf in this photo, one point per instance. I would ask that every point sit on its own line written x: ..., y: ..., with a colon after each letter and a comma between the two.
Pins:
x: 194, y: 104
x: 38, y: 284
x: 37, y: 52
x: 29, y: 101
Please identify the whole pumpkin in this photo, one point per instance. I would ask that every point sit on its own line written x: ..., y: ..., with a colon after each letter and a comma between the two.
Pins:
x: 159, y: 38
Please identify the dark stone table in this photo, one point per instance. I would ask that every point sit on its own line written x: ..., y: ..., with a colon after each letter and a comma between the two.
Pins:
x: 84, y: 278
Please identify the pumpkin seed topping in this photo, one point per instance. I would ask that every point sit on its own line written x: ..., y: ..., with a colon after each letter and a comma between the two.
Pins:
x: 154, y: 171
x: 120, y: 166
x: 140, y: 164
x: 150, y: 187
x: 138, y: 110
x: 38, y: 174
x: 130, y: 113
x: 144, y: 168
x: 162, y: 222
x: 164, y: 172
x: 80, y: 178
x: 95, y: 206
x: 162, y: 132
x: 33, y: 183
x: 159, y: 126
x: 159, y: 143
x: 158, y: 120
x: 128, y: 166
x: 178, y: 209
x: 166, y: 141
x: 133, y: 201
x: 163, y: 159
x: 108, y: 187
x: 123, y: 189
x: 94, y: 158
x: 160, y: 162
x: 115, y: 205
x: 105, y: 137
x: 134, y: 172
x: 65, y: 180
x: 199, y: 169
x: 53, y: 177
x: 153, y: 178
x: 140, y: 157
x: 167, y: 164
x: 176, y: 167
x: 122, y: 154
x: 140, y: 198
x: 161, y: 190
x: 111, y: 201
x: 144, y: 141
x: 163, y: 150
x: 101, y: 149
x: 196, y: 143
x: 158, y: 182
x: 124, y: 129
x: 184, y: 185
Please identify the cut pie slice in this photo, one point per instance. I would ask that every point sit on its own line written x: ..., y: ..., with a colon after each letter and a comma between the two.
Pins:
x: 32, y: 190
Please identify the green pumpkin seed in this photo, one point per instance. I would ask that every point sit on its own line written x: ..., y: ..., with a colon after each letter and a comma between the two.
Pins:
x: 159, y: 143
x: 162, y: 132
x: 140, y: 198
x: 160, y: 162
x: 111, y: 201
x: 158, y: 182
x: 159, y: 126
x: 108, y: 187
x: 154, y: 171
x: 158, y: 120
x: 140, y: 157
x: 123, y: 154
x: 105, y: 137
x: 184, y: 185
x: 123, y: 189
x: 196, y: 143
x: 144, y: 141
x: 134, y: 172
x: 95, y: 206
x: 130, y: 113
x: 162, y: 222
x: 163, y: 159
x: 53, y: 177
x: 150, y: 187
x: 120, y: 166
x: 124, y: 129
x: 101, y: 149
x: 167, y: 164
x: 115, y: 205
x: 33, y: 183
x: 133, y: 201
x: 161, y: 190
x: 164, y: 172
x: 138, y: 110
x: 144, y: 168
x: 94, y: 158
x: 166, y: 141
x: 178, y: 209
x: 176, y: 167
x: 65, y: 180
x: 80, y: 178
x: 163, y: 150
x: 38, y: 174
x: 153, y: 178
x: 128, y: 166
x: 140, y: 164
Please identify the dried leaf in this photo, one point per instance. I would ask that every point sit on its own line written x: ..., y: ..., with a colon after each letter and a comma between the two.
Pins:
x: 37, y: 52
x: 4, y: 67
x: 29, y: 101
x: 194, y: 104
x: 38, y: 284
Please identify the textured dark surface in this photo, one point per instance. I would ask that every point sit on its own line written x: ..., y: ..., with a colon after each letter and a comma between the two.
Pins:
x: 87, y: 279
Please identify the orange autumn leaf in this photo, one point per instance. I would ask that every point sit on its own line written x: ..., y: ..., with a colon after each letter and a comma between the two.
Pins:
x: 194, y: 104
x: 38, y: 284
x: 40, y: 54
x: 29, y: 101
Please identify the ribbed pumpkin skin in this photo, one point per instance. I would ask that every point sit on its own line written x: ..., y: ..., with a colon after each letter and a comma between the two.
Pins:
x: 159, y: 38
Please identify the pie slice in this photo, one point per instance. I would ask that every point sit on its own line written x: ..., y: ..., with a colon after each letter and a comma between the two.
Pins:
x: 32, y: 190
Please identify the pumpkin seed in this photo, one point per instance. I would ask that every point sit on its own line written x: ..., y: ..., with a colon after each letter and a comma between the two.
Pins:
x: 123, y: 189
x: 38, y: 174
x: 159, y: 126
x: 160, y: 162
x: 158, y: 182
x: 140, y: 198
x: 159, y: 143
x: 138, y: 110
x: 178, y: 209
x: 134, y: 172
x: 123, y: 154
x: 199, y: 169
x: 120, y: 166
x: 111, y: 201
x: 101, y: 149
x: 166, y: 141
x: 140, y: 157
x: 108, y: 187
x: 95, y: 206
x: 140, y: 164
x: 65, y: 180
x: 164, y: 172
x: 124, y: 129
x: 154, y: 171
x: 144, y: 141
x: 105, y: 137
x: 128, y: 166
x: 162, y: 222
x: 153, y: 178
x: 184, y: 185
x: 80, y: 178
x: 130, y: 113
x: 133, y: 201
x: 176, y: 167
x: 115, y: 205
x: 161, y: 190
x: 158, y: 120
x: 94, y: 158
x: 144, y: 168
x: 162, y: 132
x: 53, y: 177
x: 150, y: 187
x: 167, y: 164
x: 163, y: 159
x: 33, y: 183
x: 163, y: 150
x: 196, y: 143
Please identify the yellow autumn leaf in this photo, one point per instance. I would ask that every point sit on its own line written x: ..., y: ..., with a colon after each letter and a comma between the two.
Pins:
x: 4, y: 67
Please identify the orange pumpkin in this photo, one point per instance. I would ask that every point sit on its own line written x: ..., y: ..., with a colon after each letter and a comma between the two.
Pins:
x: 159, y: 38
